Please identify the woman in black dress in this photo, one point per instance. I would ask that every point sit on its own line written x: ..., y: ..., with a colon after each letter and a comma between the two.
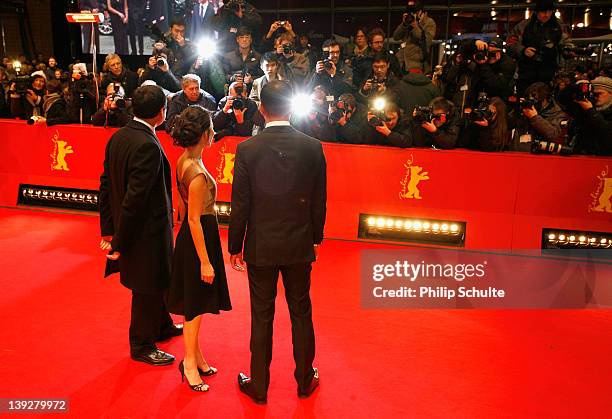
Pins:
x: 118, y: 10
x: 198, y: 283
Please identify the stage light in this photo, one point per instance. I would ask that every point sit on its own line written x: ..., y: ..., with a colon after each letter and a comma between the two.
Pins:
x: 223, y: 210
x: 581, y: 241
x: 301, y: 104
x: 417, y: 230
x: 85, y: 17
x: 57, y: 197
x: 207, y: 48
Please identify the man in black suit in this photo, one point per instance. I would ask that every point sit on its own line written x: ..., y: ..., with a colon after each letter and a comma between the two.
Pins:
x: 279, y: 203
x: 136, y: 222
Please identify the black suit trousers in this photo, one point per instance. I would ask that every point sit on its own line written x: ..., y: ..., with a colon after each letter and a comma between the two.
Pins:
x: 150, y: 319
x: 262, y: 287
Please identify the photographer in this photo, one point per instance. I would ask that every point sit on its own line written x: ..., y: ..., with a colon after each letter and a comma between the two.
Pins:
x: 236, y: 114
x: 269, y: 65
x: 362, y: 65
x: 81, y: 94
x: 486, y: 126
x: 594, y: 122
x: 191, y: 94
x: 384, y: 83
x: 183, y: 53
x: 536, y: 44
x: 230, y: 17
x: 542, y: 119
x: 115, y: 72
x: 386, y: 126
x: 293, y: 65
x: 307, y: 50
x: 26, y: 96
x: 243, y: 59
x: 417, y: 32
x: 5, y: 110
x: 277, y: 28
x: 159, y: 71
x: 315, y: 122
x: 331, y: 73
x: 55, y: 107
x: 116, y: 111
x: 494, y: 69
x: 349, y: 118
x: 436, y: 126
x: 51, y: 68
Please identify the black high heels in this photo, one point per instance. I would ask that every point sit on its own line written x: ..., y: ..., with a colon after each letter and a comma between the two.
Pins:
x: 210, y: 371
x: 202, y: 387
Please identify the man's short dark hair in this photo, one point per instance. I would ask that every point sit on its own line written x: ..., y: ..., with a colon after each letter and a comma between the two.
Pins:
x: 270, y: 57
x: 147, y: 101
x: 276, y: 97
x: 242, y: 31
x: 177, y: 21
x: 374, y: 32
x: 539, y: 90
x: 381, y: 56
x: 330, y: 43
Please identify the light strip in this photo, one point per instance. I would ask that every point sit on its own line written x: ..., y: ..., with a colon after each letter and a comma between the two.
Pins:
x: 57, y: 197
x: 417, y: 230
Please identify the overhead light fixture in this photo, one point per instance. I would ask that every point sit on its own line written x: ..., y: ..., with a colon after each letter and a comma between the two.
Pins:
x: 415, y: 230
x: 85, y: 17
x: 57, y: 197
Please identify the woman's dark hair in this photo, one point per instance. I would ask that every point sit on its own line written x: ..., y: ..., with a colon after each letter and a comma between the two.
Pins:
x: 190, y: 125
x: 499, y: 127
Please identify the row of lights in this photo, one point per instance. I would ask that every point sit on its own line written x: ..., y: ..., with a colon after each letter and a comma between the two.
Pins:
x: 582, y: 240
x: 55, y: 195
x: 398, y: 224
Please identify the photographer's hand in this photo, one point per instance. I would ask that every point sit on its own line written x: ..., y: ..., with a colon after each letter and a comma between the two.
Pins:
x: 481, y: 45
x: 585, y: 104
x: 107, y: 103
x: 320, y: 67
x: 331, y: 71
x: 429, y: 126
x: 530, y: 52
x: 31, y: 96
x: 152, y: 62
x: 273, y: 28
x: 384, y: 130
x: 367, y: 86
x: 180, y: 39
x: 530, y: 112
x: 483, y: 123
x: 228, y: 105
x: 239, y: 114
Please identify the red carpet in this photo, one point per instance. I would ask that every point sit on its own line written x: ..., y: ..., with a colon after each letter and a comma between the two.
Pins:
x: 64, y: 335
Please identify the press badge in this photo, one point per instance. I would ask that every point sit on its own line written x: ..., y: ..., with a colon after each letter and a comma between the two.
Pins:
x: 525, y: 138
x: 233, y: 30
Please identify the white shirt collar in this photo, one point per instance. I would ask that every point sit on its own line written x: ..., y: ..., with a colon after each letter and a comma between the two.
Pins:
x: 278, y: 124
x: 151, y: 127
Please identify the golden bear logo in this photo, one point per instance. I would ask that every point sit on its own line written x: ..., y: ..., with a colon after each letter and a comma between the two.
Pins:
x: 60, y: 150
x: 410, y: 183
x: 225, y: 170
x: 602, y: 197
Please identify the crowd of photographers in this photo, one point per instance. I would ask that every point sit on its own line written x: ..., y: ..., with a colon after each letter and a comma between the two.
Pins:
x: 489, y: 94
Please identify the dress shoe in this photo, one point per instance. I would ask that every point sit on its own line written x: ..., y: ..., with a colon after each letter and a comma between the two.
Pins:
x: 173, y: 331
x: 154, y: 357
x: 244, y: 383
x: 314, y: 383
x: 201, y: 388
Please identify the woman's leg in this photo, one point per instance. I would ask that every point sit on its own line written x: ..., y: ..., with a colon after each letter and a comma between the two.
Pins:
x: 191, y: 331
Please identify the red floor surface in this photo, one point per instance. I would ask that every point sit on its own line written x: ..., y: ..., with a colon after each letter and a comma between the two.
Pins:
x: 64, y: 335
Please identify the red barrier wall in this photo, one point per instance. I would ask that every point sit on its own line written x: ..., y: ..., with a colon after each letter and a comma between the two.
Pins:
x: 505, y: 198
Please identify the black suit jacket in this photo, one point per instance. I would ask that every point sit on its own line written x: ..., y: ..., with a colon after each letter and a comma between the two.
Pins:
x: 136, y: 208
x: 279, y: 198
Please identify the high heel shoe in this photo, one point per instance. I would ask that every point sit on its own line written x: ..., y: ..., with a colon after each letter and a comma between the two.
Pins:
x: 210, y: 371
x: 202, y: 387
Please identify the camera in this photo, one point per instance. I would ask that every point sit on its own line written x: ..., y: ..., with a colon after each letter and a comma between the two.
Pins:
x: 328, y: 64
x: 529, y: 102
x: 582, y: 92
x: 340, y: 110
x: 423, y: 114
x: 288, y: 49
x: 550, y: 147
x: 481, y: 111
x: 117, y: 97
x: 23, y: 82
x: 546, y: 44
x: 161, y: 61
x: 377, y: 108
x: 481, y: 55
x: 238, y: 103
x: 282, y: 23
